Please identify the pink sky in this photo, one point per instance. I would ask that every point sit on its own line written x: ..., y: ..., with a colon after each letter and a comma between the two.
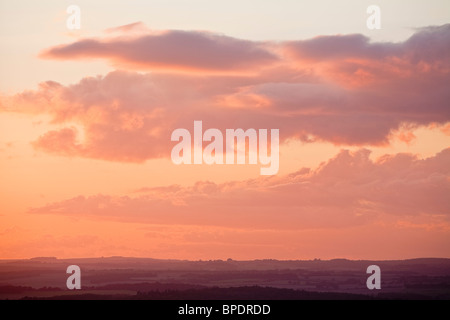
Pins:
x: 364, y: 163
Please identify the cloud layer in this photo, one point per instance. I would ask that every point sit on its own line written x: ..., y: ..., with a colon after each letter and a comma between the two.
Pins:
x: 343, y: 89
x: 348, y: 190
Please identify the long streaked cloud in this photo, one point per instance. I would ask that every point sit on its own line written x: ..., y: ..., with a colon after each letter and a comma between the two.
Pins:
x: 173, y: 49
x: 342, y: 89
x: 348, y: 190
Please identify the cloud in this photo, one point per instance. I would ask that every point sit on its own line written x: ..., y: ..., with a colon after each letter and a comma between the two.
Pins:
x: 340, y: 89
x: 338, y: 47
x: 137, y: 27
x: 173, y: 49
x: 402, y: 77
x: 348, y: 190
x: 446, y: 129
x: 63, y: 142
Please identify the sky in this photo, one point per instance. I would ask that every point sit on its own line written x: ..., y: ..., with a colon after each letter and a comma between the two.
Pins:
x: 86, y: 117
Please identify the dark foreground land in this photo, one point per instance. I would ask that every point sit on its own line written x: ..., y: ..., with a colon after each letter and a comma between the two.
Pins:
x: 139, y: 279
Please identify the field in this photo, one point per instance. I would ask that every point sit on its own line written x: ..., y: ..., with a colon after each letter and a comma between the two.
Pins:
x: 136, y: 278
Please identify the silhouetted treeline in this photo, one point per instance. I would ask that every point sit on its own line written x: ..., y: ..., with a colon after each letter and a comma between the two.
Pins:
x: 242, y: 293
x: 246, y: 293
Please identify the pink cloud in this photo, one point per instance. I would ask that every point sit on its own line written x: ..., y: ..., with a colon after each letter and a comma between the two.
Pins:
x: 397, y: 76
x: 361, y: 93
x: 62, y: 142
x: 349, y: 189
x: 173, y: 49
x: 446, y: 129
x: 340, y: 47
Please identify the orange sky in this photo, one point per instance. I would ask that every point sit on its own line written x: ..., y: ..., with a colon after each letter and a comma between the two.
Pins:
x: 364, y: 132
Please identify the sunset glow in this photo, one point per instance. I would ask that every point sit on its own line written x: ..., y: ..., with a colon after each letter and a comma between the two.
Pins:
x: 86, y: 118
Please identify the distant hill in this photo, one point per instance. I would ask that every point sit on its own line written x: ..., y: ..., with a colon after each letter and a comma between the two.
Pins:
x: 144, y: 278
